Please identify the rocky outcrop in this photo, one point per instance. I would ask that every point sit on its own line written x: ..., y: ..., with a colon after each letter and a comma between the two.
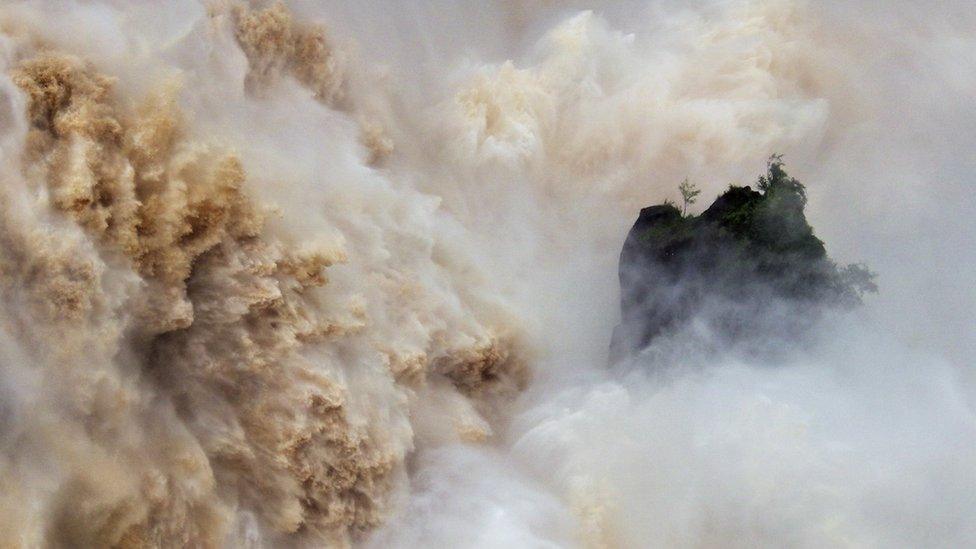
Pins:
x: 749, y: 269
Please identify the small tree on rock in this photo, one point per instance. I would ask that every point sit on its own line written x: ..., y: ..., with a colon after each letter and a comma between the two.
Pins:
x: 689, y: 194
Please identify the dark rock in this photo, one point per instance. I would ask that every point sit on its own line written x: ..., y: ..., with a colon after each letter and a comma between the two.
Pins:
x: 748, y: 269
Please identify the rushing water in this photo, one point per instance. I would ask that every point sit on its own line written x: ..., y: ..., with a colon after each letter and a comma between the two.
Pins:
x: 344, y: 273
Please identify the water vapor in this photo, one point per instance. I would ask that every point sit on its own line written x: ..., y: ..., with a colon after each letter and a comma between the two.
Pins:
x: 304, y: 274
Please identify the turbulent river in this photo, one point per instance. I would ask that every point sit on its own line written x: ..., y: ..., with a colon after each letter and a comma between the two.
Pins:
x: 316, y: 274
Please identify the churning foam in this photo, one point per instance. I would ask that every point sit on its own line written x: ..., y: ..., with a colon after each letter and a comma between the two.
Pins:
x: 304, y: 275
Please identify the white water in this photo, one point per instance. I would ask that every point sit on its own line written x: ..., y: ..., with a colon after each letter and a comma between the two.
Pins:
x: 471, y: 170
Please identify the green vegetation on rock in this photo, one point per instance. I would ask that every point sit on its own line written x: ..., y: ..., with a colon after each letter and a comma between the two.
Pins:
x: 745, y: 259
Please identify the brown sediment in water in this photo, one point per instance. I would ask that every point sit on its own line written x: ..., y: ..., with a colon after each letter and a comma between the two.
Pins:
x: 194, y: 374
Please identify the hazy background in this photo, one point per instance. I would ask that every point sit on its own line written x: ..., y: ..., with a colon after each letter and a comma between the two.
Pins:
x: 526, y: 136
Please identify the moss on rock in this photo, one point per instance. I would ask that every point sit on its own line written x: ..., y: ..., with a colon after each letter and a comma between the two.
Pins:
x: 749, y: 266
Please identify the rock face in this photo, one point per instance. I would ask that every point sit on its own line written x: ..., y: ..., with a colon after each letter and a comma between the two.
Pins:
x: 748, y: 270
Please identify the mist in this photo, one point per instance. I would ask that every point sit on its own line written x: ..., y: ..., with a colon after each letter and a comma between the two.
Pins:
x: 311, y: 274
